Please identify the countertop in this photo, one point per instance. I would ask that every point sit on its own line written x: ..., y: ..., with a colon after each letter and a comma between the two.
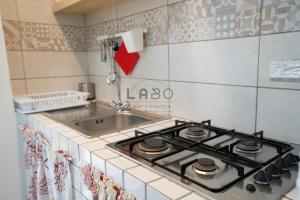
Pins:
x: 132, y: 175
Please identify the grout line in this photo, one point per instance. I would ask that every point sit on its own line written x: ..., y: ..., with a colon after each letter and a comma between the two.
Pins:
x: 258, y: 63
x: 203, y: 83
x: 168, y: 39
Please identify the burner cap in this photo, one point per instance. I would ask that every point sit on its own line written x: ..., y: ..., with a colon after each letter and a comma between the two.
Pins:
x: 153, y: 145
x: 205, y: 164
x: 248, y: 145
x: 195, y: 131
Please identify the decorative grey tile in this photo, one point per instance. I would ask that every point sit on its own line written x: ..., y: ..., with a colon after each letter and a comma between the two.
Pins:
x: 191, y: 20
x: 194, y: 20
x: 156, y: 23
x: 12, y: 35
x: 52, y: 37
x: 280, y: 16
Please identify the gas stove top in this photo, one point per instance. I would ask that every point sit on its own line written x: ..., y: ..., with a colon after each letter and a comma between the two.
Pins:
x: 219, y: 163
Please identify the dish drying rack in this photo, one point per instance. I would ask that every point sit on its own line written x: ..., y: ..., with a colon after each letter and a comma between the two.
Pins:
x: 39, y: 102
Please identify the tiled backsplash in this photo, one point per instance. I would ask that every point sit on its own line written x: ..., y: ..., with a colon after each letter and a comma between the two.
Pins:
x: 214, y: 55
x: 45, y: 52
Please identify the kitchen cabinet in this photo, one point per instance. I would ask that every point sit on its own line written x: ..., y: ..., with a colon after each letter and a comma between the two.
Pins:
x: 79, y: 6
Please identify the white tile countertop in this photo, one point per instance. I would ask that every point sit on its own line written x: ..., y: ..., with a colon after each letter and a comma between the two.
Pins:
x: 145, y: 183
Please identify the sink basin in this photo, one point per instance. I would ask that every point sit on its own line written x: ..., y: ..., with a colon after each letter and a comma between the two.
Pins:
x: 99, y: 119
x: 105, y: 124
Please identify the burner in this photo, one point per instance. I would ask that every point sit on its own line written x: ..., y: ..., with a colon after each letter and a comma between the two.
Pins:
x: 153, y: 146
x: 248, y: 146
x: 205, y: 166
x: 195, y: 131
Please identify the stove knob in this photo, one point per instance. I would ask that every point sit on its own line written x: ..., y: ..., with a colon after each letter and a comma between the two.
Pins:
x: 281, y: 165
x: 262, y: 178
x: 273, y: 171
x: 291, y: 159
x: 250, y: 188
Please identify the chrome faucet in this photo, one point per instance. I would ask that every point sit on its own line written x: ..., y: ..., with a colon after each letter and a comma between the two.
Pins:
x: 113, y: 78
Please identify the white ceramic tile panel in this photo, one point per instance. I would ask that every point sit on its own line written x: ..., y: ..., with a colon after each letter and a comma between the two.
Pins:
x: 96, y: 67
x: 167, y: 188
x: 43, y: 13
x: 154, y: 194
x: 85, y: 155
x: 64, y: 142
x: 74, y: 153
x: 54, y: 84
x: 70, y: 134
x: 99, y: 158
x: 153, y: 63
x: 192, y: 196
x: 102, y: 14
x: 8, y: 10
x: 292, y: 194
x: 109, y: 135
x: 143, y: 174
x: 130, y: 134
x: 231, y: 61
x: 153, y: 128
x: 115, y: 167
x: 129, y: 7
x: 93, y: 146
x: 227, y: 106
x: 15, y: 62
x: 82, y: 140
x: 134, y: 86
x: 53, y: 64
x: 104, y: 92
x: 76, y: 195
x: 75, y: 173
x: 174, y: 1
x: 116, y: 138
x: 18, y: 87
x: 99, y: 163
x: 134, y: 186
x: 86, y: 148
x: 278, y: 114
x: 277, y: 47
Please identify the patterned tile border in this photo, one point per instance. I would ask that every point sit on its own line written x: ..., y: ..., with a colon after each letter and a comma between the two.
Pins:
x: 280, y: 16
x: 185, y: 21
x: 155, y: 21
x: 43, y: 37
x: 194, y: 20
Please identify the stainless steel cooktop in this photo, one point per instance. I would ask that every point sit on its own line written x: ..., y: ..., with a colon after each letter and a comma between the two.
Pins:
x: 218, y: 163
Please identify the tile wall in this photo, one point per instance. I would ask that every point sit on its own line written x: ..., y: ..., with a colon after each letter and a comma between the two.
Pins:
x: 214, y: 55
x: 45, y: 52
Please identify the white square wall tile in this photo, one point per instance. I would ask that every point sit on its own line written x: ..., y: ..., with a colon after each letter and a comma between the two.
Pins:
x: 168, y: 188
x: 15, y: 63
x: 64, y: 143
x: 93, y: 146
x: 106, y: 154
x: 192, y: 196
x: 85, y: 155
x: 83, y: 140
x: 134, y: 186
x: 153, y: 63
x: 99, y: 163
x: 116, y: 138
x: 75, y: 174
x: 278, y: 114
x: 115, y: 167
x: 114, y: 173
x: 49, y: 64
x: 154, y: 194
x: 74, y: 153
x: 230, y: 61
x: 277, y: 47
x: 227, y: 106
x: 143, y: 174
x: 292, y: 194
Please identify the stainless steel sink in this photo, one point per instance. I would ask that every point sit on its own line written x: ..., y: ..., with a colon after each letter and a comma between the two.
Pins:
x: 99, y: 119
x: 106, y: 124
